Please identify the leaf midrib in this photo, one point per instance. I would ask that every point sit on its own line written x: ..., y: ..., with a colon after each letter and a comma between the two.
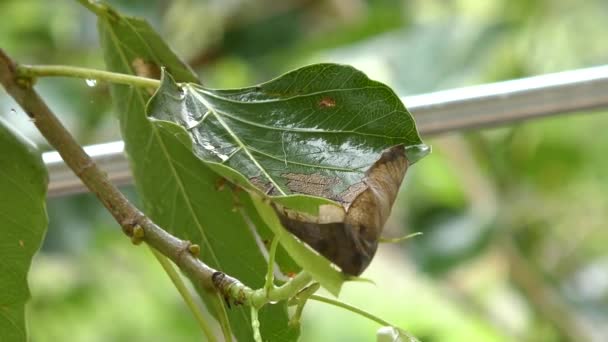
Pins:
x: 238, y: 141
x: 295, y: 130
x: 312, y: 94
x: 323, y: 167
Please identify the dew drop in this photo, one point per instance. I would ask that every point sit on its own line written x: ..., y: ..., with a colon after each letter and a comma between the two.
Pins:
x: 91, y: 82
x: 13, y: 111
x: 416, y: 152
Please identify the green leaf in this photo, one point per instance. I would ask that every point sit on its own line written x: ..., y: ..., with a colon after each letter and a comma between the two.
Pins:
x: 23, y: 223
x: 392, y: 334
x: 178, y: 190
x: 325, y: 119
x: 324, y: 130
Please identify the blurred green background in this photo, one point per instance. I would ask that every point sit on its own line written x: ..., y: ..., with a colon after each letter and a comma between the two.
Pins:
x: 514, y: 219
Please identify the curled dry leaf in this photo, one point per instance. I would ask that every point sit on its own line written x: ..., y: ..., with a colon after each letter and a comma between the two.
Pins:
x: 349, y: 237
x: 324, y: 130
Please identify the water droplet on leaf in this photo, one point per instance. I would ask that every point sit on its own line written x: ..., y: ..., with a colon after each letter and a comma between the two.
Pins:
x: 91, y: 82
x: 416, y: 152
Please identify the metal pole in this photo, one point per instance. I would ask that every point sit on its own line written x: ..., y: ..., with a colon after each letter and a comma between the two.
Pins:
x: 487, y: 105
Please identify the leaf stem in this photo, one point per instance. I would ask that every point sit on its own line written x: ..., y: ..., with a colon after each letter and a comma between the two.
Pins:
x: 255, y: 325
x: 351, y: 309
x: 260, y: 297
x: 33, y: 71
x: 179, y: 284
x: 269, y: 284
x: 301, y: 298
x: 222, y: 316
x: 399, y: 239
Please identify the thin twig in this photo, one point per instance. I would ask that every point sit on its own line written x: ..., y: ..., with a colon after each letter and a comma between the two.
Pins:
x: 399, y: 239
x: 85, y: 73
x: 269, y: 284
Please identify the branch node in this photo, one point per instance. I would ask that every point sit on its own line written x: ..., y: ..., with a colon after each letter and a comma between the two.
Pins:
x: 137, y: 235
x: 230, y: 288
x: 185, y: 248
x: 25, y: 81
x: 194, y: 249
x: 127, y: 223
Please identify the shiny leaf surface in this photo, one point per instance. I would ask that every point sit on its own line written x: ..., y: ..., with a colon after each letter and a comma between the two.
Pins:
x: 320, y: 269
x: 325, y: 130
x: 315, y: 130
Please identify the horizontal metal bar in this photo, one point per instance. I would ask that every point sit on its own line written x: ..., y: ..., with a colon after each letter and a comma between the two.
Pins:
x: 508, y: 102
x: 109, y: 157
x: 485, y: 105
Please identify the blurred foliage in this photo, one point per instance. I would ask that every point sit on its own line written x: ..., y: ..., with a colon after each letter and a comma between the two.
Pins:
x: 514, y: 218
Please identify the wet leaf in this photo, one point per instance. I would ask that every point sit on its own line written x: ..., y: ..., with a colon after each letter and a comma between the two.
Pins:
x: 23, y: 223
x: 324, y: 130
x: 178, y: 190
x: 318, y: 267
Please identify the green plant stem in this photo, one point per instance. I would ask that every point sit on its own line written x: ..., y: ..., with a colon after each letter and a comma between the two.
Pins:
x: 351, y: 309
x: 255, y: 325
x: 269, y: 284
x: 399, y: 239
x: 179, y: 284
x: 301, y: 299
x: 260, y: 297
x: 222, y: 316
x: 33, y: 71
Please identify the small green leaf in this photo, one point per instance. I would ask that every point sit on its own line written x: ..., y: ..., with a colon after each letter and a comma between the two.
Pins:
x: 178, y: 190
x: 23, y: 223
x: 392, y: 334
